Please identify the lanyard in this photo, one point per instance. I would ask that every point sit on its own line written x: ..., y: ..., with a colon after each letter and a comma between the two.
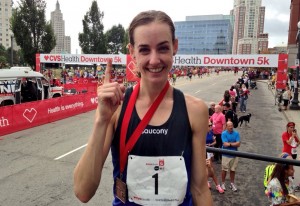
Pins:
x: 126, y: 148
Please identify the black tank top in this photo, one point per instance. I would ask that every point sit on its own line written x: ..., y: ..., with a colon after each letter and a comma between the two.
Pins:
x: 172, y: 138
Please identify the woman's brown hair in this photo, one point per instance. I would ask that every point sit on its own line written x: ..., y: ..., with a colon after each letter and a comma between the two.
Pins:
x: 147, y: 17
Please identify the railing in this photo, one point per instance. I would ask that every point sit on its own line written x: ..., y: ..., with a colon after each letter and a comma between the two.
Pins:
x: 254, y: 156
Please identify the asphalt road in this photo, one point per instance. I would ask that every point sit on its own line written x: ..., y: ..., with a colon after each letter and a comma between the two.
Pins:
x: 36, y: 165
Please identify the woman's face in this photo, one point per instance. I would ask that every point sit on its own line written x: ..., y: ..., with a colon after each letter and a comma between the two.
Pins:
x: 290, y: 171
x: 153, y: 51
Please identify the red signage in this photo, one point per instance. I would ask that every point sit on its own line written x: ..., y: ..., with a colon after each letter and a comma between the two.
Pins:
x: 27, y: 115
x: 282, y: 71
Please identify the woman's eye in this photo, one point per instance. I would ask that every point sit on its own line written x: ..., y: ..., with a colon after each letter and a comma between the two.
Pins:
x: 144, y: 50
x: 164, y: 48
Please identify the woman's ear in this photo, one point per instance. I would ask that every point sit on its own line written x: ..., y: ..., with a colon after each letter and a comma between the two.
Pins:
x: 175, y: 47
x: 131, y: 51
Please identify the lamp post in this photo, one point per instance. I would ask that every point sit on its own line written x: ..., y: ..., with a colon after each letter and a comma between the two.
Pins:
x: 295, y: 101
x: 12, y: 51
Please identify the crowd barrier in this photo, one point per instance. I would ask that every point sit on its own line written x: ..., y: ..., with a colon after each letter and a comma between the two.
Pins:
x: 27, y: 115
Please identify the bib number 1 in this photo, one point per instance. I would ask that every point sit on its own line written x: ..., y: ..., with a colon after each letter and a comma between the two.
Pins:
x: 156, y: 180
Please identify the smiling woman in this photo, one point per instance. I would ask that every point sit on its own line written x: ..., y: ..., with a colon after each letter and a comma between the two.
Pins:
x: 141, y: 127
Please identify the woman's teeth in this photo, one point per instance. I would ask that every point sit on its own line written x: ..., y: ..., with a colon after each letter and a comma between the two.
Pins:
x: 155, y: 70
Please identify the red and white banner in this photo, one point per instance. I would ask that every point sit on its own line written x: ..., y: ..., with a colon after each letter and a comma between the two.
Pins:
x: 255, y: 60
x: 282, y: 70
x: 27, y: 115
x: 82, y: 58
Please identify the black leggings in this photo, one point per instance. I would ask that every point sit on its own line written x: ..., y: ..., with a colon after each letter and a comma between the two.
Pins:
x: 218, y: 156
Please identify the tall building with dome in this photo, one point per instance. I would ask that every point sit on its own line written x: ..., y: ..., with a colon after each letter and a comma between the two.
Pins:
x: 63, y: 43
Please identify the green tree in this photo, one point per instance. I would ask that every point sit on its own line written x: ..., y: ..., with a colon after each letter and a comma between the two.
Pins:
x: 16, y: 56
x: 125, y: 43
x: 115, y: 39
x: 31, y: 30
x: 3, y: 56
x: 92, y: 40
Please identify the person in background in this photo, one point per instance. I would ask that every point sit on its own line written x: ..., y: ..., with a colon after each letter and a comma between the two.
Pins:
x: 281, y: 185
x: 231, y: 141
x: 211, y: 142
x: 233, y: 95
x: 290, y: 140
x: 211, y: 109
x: 286, y: 97
x: 219, y: 125
x: 244, y: 93
x: 126, y: 122
x: 269, y: 169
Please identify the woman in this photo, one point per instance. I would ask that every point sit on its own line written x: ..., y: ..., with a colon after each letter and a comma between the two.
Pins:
x: 286, y: 97
x: 281, y: 185
x: 211, y: 142
x: 290, y: 140
x: 244, y: 93
x: 161, y: 141
x: 233, y: 95
x: 211, y: 109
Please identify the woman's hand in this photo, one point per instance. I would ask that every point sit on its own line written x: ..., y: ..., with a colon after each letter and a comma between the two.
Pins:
x: 110, y: 95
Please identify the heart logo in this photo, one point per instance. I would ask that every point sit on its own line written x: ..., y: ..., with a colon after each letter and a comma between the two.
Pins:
x: 46, y: 57
x: 29, y: 114
x: 131, y: 67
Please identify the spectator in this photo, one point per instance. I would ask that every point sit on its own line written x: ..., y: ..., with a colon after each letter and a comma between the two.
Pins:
x: 290, y: 140
x: 233, y: 95
x: 244, y: 93
x: 286, y: 97
x: 211, y: 109
x: 231, y: 141
x: 269, y: 169
x: 219, y: 125
x: 281, y: 185
x: 210, y: 142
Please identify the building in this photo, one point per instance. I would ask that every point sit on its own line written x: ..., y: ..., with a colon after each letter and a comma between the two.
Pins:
x: 5, y: 15
x: 248, y: 36
x: 205, y: 34
x: 63, y: 43
x: 293, y: 29
x: 278, y: 49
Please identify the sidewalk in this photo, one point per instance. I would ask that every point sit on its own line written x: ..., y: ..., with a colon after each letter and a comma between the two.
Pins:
x: 291, y: 116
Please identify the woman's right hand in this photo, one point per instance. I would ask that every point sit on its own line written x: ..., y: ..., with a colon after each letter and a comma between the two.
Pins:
x: 110, y: 95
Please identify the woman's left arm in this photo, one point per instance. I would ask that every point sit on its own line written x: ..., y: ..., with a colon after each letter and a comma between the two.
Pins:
x: 198, y: 116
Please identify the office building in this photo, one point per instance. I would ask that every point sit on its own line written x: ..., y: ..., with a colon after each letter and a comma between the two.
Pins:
x: 248, y: 34
x: 63, y: 43
x: 5, y: 15
x: 205, y: 34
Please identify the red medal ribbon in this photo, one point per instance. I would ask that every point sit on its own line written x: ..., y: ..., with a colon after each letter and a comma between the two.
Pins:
x: 126, y: 148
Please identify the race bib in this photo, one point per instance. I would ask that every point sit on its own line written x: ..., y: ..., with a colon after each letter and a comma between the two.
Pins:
x: 294, y: 150
x: 156, y: 180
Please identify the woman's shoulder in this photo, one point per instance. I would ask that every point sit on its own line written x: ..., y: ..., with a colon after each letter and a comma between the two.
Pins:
x: 195, y: 105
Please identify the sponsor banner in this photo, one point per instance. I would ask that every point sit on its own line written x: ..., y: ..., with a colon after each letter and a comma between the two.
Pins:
x: 130, y: 70
x: 282, y: 77
x: 259, y: 60
x: 256, y: 60
x: 82, y: 58
x: 27, y: 115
